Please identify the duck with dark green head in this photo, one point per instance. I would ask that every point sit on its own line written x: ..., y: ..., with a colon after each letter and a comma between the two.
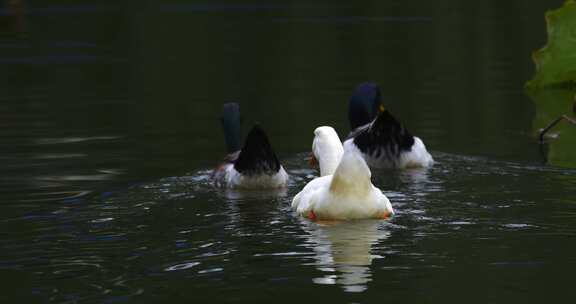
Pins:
x: 382, y: 139
x: 253, y: 166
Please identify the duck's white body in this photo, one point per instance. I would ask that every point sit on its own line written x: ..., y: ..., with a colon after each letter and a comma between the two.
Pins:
x: 383, y: 140
x: 416, y: 157
x: 345, y: 195
x: 385, y: 143
x: 228, y: 177
x: 255, y: 165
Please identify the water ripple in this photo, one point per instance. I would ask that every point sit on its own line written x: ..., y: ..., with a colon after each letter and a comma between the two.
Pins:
x: 182, y: 266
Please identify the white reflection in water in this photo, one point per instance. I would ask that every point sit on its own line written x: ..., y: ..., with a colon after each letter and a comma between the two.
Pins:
x: 234, y: 195
x: 58, y: 155
x: 248, y: 206
x: 182, y: 266
x: 70, y: 140
x: 419, y: 181
x: 344, y: 251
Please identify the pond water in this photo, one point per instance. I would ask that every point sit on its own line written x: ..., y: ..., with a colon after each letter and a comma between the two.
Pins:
x: 109, y: 116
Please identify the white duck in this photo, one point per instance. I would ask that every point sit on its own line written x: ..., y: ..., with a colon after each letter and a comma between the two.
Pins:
x: 383, y: 140
x: 346, y: 194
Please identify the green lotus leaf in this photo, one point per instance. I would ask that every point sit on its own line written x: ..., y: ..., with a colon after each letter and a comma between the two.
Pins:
x: 556, y: 62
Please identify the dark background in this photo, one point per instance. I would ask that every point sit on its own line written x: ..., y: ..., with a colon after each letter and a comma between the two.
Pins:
x: 153, y: 74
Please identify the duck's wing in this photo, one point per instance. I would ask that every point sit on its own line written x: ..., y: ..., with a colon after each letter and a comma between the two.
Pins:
x: 303, y: 202
x: 383, y: 201
x: 231, y: 158
x: 358, y: 130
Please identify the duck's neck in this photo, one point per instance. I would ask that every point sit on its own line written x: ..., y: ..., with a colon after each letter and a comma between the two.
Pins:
x: 328, y: 152
x: 329, y: 162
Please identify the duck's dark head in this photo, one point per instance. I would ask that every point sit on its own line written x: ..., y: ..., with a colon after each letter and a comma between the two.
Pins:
x: 257, y: 156
x: 365, y: 104
x: 231, y: 125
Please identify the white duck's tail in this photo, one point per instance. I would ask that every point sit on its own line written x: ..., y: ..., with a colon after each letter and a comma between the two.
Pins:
x: 353, y: 174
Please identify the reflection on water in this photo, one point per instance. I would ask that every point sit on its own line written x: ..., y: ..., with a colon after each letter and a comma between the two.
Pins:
x: 69, y: 140
x: 197, y: 239
x: 344, y: 251
x: 233, y: 195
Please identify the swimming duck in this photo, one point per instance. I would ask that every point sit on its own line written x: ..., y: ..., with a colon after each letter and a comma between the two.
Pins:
x: 327, y: 150
x: 382, y: 139
x: 346, y: 194
x: 255, y: 165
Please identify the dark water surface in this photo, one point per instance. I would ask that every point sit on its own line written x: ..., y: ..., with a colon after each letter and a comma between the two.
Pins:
x: 109, y: 127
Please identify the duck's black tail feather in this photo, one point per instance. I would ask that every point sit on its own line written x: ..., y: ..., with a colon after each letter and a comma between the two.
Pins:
x: 257, y: 156
x: 383, y: 137
x: 231, y: 125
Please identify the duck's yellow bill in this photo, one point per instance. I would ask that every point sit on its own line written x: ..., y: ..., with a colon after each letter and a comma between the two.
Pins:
x: 381, y: 108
